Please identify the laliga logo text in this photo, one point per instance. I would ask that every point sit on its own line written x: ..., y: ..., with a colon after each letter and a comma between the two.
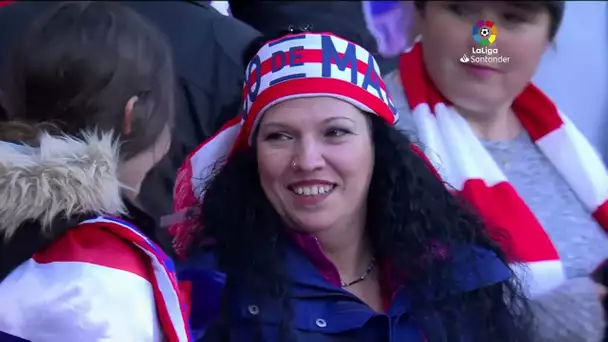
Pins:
x: 484, y: 55
x: 484, y: 34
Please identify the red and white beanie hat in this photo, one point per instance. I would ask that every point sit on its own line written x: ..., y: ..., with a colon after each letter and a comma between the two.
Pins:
x: 294, y: 66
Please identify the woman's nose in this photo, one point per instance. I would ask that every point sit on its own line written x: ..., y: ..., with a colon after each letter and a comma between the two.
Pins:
x: 309, y: 156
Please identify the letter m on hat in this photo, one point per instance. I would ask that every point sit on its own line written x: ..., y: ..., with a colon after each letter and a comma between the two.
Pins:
x: 330, y: 55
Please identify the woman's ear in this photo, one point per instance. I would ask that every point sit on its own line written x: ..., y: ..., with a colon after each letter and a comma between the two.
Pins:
x: 128, y: 122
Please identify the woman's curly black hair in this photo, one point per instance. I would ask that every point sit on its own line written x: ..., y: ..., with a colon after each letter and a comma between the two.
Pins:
x: 410, y: 210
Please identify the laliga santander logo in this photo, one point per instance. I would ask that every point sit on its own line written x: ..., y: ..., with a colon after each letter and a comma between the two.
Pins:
x: 484, y: 32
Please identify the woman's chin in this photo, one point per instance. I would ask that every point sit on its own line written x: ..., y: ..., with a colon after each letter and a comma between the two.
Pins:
x: 311, y: 223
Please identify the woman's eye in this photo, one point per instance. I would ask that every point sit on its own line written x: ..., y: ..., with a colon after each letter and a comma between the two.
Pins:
x: 458, y: 9
x: 336, y: 132
x: 515, y: 18
x: 277, y: 136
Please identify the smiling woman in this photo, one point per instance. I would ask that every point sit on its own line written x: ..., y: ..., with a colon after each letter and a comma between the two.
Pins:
x: 326, y: 225
x: 304, y: 147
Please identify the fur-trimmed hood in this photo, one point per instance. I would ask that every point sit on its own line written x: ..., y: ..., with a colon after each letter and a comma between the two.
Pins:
x: 63, y: 177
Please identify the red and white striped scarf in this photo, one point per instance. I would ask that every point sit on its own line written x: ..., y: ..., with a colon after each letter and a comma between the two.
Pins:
x: 461, y: 159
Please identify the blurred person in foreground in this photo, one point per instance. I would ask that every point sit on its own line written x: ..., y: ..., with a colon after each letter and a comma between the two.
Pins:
x: 324, y: 224
x: 506, y: 148
x: 91, y: 103
x: 207, y: 48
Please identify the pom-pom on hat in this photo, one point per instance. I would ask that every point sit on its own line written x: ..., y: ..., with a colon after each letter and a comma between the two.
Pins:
x: 294, y: 66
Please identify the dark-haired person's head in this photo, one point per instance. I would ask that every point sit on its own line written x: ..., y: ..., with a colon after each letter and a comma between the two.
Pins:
x: 90, y: 105
x: 318, y: 164
x: 94, y: 66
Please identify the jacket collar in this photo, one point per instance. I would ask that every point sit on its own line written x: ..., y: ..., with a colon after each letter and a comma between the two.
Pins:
x: 472, y: 267
x: 63, y: 177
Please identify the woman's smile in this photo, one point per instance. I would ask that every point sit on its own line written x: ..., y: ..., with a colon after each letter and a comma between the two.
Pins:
x: 311, y: 192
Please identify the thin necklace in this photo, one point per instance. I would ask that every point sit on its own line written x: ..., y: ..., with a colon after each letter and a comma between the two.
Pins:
x: 362, y: 277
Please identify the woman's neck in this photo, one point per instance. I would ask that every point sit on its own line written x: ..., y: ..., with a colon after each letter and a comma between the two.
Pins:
x: 132, y: 172
x: 132, y: 176
x: 347, y: 248
x: 500, y: 124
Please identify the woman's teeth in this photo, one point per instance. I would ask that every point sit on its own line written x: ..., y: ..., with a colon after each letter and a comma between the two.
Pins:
x: 313, y: 190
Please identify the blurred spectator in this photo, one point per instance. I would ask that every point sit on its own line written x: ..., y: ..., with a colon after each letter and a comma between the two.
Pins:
x: 505, y: 147
x: 394, y: 26
x: 207, y: 49
x: 90, y: 100
x: 391, y: 23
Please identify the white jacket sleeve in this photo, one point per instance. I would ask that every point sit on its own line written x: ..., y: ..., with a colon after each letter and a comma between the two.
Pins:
x: 77, y: 302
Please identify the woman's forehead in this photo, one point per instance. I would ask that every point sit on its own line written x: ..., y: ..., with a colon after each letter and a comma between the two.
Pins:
x: 311, y: 109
